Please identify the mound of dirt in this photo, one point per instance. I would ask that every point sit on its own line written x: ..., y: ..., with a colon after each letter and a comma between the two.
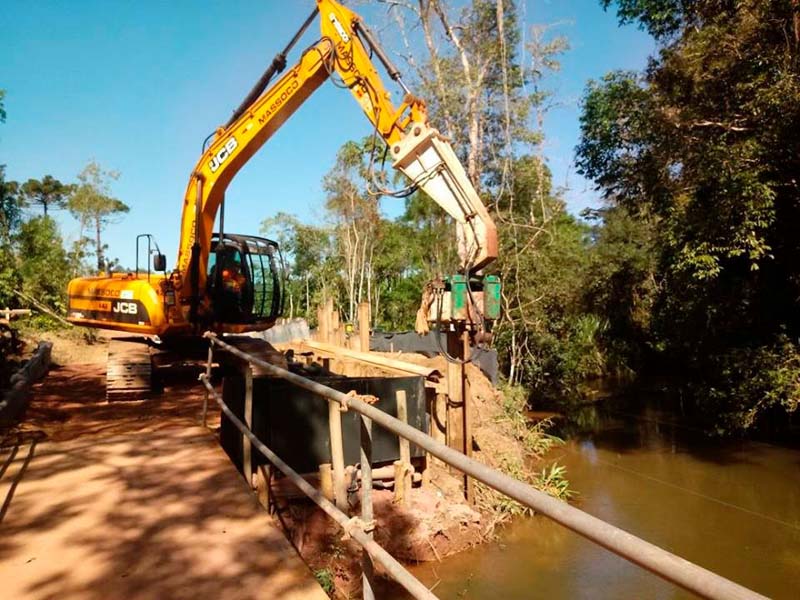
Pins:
x: 430, y: 527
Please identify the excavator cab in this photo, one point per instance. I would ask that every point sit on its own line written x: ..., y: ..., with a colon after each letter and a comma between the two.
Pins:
x: 245, y: 279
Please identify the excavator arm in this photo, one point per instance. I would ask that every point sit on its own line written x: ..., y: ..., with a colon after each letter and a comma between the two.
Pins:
x: 417, y: 150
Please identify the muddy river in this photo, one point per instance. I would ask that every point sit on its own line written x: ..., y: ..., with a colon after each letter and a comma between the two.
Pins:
x: 732, y: 507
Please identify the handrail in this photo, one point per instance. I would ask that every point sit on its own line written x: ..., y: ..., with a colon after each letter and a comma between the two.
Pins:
x: 663, y: 563
x: 353, y: 527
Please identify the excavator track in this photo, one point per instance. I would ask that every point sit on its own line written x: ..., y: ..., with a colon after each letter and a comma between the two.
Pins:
x: 129, y: 369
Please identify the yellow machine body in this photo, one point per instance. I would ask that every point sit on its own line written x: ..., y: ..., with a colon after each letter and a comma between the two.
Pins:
x: 181, y: 302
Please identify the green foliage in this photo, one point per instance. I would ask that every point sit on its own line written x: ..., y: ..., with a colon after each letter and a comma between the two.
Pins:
x: 325, y: 579
x: 664, y: 19
x: 2, y: 106
x: 699, y: 148
x: 47, y: 193
x: 359, y: 255
x: 10, y: 209
x: 43, y: 267
x: 554, y: 482
x: 621, y: 286
x: 535, y: 439
x: 93, y: 206
x: 546, y: 340
x: 746, y: 382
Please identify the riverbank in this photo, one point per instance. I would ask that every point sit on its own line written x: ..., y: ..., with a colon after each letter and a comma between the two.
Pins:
x: 437, y: 523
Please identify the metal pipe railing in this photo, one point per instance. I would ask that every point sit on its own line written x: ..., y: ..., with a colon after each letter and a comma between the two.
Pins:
x: 353, y: 528
x: 666, y: 565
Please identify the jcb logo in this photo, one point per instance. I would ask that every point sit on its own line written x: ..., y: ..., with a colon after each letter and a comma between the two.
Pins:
x: 126, y: 308
x: 223, y: 155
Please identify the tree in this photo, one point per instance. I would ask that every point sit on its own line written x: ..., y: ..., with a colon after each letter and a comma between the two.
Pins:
x: 703, y: 145
x: 42, y: 263
x: 357, y: 221
x: 47, y: 192
x: 472, y: 78
x: 93, y: 206
x: 9, y: 206
x: 311, y: 262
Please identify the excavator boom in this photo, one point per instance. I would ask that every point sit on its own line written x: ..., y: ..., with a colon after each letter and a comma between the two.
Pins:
x: 187, y: 300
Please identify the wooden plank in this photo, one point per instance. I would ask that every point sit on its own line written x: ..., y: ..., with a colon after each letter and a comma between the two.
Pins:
x: 374, y: 359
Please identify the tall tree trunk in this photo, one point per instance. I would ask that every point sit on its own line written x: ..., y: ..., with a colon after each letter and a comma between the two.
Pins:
x: 99, y: 245
x: 308, y: 298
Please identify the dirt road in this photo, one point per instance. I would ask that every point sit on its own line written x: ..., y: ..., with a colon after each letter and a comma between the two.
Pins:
x: 131, y: 500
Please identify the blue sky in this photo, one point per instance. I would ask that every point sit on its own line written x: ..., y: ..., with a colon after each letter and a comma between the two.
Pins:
x: 138, y: 85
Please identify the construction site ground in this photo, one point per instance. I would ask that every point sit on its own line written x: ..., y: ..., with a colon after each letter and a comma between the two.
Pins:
x: 131, y: 500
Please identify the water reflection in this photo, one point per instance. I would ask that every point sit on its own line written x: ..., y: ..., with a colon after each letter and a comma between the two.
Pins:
x: 730, y: 506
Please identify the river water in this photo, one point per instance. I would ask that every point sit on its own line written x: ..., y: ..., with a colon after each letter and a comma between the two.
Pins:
x: 730, y: 506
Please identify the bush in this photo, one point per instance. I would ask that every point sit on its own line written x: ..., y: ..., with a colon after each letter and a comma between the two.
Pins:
x: 749, y: 383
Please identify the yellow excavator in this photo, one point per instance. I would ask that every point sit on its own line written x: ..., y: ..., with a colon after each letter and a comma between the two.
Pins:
x: 231, y: 283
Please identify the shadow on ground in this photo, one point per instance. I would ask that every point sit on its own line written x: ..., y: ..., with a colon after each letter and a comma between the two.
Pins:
x: 131, y: 501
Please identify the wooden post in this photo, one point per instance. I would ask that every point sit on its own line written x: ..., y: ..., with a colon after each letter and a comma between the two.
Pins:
x: 326, y: 321
x: 455, y: 395
x: 459, y: 424
x: 326, y: 480
x: 439, y: 417
x: 334, y: 327
x: 263, y: 477
x: 363, y: 326
x: 469, y: 490
x: 399, y: 482
x: 366, y: 504
x: 405, y: 446
x: 337, y: 455
x: 318, y: 333
x: 247, y: 461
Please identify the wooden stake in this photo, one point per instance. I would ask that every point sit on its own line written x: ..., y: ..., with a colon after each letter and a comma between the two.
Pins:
x: 326, y: 480
x: 363, y: 326
x: 469, y: 491
x: 335, y: 328
x: 405, y: 446
x: 366, y: 504
x: 323, y: 330
x: 337, y: 455
x: 263, y: 476
x: 399, y: 484
x: 455, y: 396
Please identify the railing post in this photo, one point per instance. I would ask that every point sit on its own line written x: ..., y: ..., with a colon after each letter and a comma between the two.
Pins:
x: 337, y: 455
x: 208, y: 375
x: 247, y: 462
x: 366, y: 504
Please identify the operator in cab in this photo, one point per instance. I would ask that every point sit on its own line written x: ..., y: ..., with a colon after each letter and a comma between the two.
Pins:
x: 233, y: 290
